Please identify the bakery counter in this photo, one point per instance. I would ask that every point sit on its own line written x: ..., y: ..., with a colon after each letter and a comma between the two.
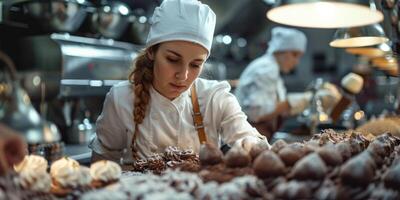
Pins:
x: 79, y: 152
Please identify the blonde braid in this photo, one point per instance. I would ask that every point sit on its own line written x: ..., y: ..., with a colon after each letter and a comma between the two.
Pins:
x: 141, y: 79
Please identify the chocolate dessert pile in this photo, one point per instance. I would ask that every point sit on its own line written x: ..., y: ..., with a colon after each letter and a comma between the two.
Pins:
x: 173, y: 158
x: 331, y: 165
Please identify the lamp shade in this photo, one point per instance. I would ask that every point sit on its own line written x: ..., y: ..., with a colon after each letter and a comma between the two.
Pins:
x: 324, y: 14
x: 385, y: 62
x: 371, y: 52
x: 359, y: 36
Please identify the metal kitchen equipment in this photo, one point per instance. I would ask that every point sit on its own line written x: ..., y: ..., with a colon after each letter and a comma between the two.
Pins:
x: 86, y: 66
x: 314, y: 115
x: 110, y: 20
x: 48, y: 15
x: 74, y: 68
x: 18, y: 113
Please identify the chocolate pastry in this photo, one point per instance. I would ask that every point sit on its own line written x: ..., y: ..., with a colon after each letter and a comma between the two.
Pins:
x: 386, y: 138
x: 210, y: 154
x: 140, y: 165
x: 378, y: 151
x: 392, y: 177
x: 268, y: 165
x: 278, y: 145
x: 237, y: 157
x: 256, y: 150
x: 330, y: 155
x: 156, y: 163
x: 358, y: 171
x: 311, y: 167
x: 172, y: 153
x: 292, y: 153
x: 188, y: 154
x: 355, y: 146
x: 344, y: 149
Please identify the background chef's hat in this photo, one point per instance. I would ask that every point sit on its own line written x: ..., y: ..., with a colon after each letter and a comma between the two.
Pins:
x: 286, y: 39
x: 184, y: 20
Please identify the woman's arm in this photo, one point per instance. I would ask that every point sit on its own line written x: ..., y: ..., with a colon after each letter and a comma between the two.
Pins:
x: 111, y: 134
x: 233, y: 124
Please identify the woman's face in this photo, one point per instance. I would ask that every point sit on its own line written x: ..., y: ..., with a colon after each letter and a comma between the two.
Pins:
x: 176, y: 65
x: 290, y: 60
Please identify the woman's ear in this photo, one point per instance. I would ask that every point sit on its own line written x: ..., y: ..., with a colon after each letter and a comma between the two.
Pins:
x: 150, y: 54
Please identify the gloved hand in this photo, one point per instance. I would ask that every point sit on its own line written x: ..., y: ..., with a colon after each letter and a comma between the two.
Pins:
x: 299, y: 101
x: 329, y: 95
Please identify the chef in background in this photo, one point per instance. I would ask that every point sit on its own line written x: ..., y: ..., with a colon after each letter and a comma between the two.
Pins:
x: 261, y: 91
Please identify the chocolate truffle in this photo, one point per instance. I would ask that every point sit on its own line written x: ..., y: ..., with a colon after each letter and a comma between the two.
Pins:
x: 171, y: 153
x: 268, y: 164
x: 278, y: 145
x: 292, y: 153
x: 357, y: 171
x: 310, y: 167
x: 210, y: 154
x: 344, y: 149
x: 156, y: 163
x: 256, y: 150
x: 330, y: 155
x: 237, y: 157
x: 392, y: 177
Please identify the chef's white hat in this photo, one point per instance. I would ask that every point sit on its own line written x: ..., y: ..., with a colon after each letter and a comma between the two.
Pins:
x: 287, y: 39
x: 183, y: 20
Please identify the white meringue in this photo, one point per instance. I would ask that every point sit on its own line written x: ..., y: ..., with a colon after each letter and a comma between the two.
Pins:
x: 32, y: 163
x: 66, y: 172
x: 105, y: 170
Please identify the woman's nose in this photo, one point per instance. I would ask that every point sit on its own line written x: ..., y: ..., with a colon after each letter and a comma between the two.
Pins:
x: 182, y: 74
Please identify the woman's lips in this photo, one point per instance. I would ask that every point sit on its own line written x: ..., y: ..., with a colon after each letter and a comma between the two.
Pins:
x: 178, y: 87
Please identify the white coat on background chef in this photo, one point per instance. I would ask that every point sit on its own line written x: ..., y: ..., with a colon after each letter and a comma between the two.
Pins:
x: 261, y: 90
x: 164, y: 103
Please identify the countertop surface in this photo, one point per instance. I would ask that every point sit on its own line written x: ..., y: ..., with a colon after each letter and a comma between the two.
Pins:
x: 79, y: 152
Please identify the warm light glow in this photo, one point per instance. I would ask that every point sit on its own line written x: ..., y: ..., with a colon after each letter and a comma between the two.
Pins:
x: 367, y: 51
x: 371, y: 52
x: 323, y: 117
x: 358, y: 42
x: 359, y: 115
x: 385, y: 63
x: 324, y: 15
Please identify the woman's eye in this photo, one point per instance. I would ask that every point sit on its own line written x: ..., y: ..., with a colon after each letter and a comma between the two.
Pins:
x: 195, y: 65
x: 173, y: 60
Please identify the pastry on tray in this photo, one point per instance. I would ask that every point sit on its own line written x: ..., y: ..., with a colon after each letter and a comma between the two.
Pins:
x: 104, y: 172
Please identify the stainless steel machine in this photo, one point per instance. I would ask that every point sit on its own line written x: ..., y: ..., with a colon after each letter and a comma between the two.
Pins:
x: 78, y: 72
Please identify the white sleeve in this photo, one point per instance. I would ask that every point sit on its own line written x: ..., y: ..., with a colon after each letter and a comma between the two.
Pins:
x: 259, y: 97
x: 110, y: 131
x: 233, y: 123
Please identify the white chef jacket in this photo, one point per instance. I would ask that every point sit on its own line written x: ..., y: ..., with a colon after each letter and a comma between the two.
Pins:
x: 260, y: 87
x: 169, y: 123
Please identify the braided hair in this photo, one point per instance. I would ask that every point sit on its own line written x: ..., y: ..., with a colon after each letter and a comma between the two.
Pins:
x: 141, y: 79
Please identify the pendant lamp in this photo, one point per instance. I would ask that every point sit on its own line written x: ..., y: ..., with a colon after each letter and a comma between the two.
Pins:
x: 325, y: 14
x: 359, y: 36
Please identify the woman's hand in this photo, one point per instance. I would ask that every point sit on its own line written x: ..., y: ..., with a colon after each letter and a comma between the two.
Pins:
x: 250, y: 142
